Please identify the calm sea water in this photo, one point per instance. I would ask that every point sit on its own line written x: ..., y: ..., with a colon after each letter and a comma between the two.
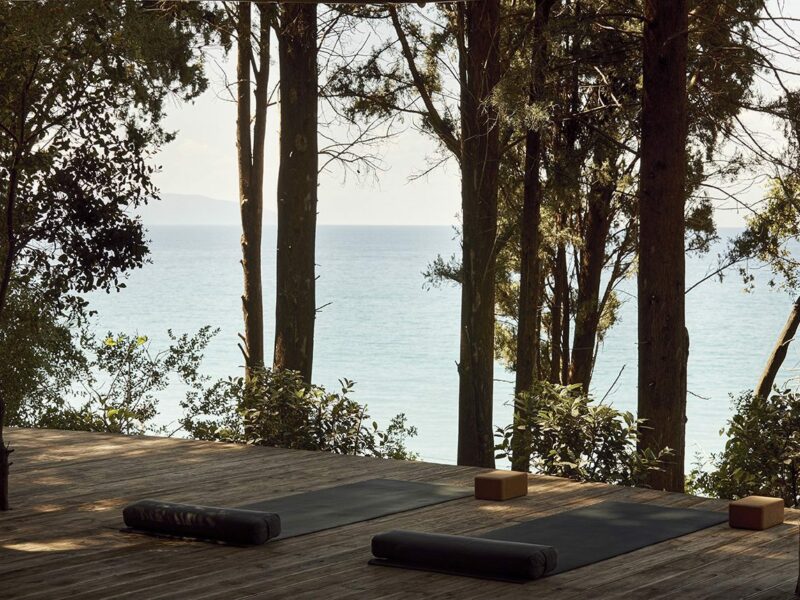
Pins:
x: 399, y: 341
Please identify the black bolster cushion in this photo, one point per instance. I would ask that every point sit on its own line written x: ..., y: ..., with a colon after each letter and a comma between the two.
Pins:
x: 231, y: 525
x: 464, y: 555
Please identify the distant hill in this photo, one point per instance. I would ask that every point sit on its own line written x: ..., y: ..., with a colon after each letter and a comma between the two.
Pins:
x: 190, y: 209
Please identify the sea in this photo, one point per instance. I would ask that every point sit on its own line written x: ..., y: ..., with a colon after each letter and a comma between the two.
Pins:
x: 381, y: 326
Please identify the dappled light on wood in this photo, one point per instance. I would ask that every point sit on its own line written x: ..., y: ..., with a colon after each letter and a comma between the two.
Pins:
x: 55, y: 545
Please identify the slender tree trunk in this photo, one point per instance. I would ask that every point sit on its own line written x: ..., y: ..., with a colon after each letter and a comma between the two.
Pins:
x: 8, y: 248
x: 295, y: 308
x: 590, y: 271
x: 556, y: 323
x: 663, y: 338
x: 563, y: 275
x: 530, y: 289
x: 778, y: 355
x: 250, y: 149
x: 560, y: 328
x: 5, y: 271
x: 479, y: 181
x: 571, y: 164
x: 7, y: 245
x: 5, y: 466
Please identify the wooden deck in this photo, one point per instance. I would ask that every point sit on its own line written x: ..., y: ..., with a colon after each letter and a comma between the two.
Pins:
x: 61, y: 539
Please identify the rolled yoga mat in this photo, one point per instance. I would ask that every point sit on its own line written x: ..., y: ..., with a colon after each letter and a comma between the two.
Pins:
x: 596, y: 533
x: 230, y: 525
x: 299, y: 514
x: 471, y: 556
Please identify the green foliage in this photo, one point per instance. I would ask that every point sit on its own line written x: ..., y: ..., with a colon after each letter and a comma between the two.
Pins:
x: 277, y: 408
x: 82, y: 90
x: 573, y: 436
x: 121, y: 381
x: 762, y: 454
x: 38, y: 357
x: 769, y: 236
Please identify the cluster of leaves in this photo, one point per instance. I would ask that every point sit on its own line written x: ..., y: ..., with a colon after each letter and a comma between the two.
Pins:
x: 571, y: 435
x: 770, y: 236
x: 39, y: 357
x: 762, y: 454
x: 277, y: 408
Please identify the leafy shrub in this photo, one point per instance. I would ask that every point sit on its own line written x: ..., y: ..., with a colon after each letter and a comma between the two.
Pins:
x: 573, y: 436
x: 121, y: 380
x: 277, y: 408
x: 762, y: 454
x: 39, y: 358
x: 118, y: 379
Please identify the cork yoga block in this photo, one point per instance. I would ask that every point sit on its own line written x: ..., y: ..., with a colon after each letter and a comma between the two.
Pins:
x: 755, y: 512
x: 501, y: 485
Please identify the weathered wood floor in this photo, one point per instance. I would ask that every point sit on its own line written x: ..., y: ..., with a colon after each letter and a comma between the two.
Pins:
x: 61, y: 540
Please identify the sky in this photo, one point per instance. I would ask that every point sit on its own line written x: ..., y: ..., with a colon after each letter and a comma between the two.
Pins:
x: 202, y: 161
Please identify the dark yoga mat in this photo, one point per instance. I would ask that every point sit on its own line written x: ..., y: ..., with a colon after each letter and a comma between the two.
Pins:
x: 351, y: 503
x: 579, y: 537
x: 601, y: 531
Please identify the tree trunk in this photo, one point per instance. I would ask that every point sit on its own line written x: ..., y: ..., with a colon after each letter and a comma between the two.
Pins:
x: 590, y: 271
x: 778, y: 355
x: 6, y: 269
x: 556, y: 322
x: 563, y: 275
x: 5, y: 451
x: 571, y: 165
x: 479, y: 181
x: 530, y: 268
x: 295, y: 307
x: 250, y: 148
x: 663, y: 338
x: 5, y: 464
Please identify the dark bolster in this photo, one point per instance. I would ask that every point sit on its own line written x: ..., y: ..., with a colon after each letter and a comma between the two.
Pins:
x: 465, y: 555
x: 231, y: 525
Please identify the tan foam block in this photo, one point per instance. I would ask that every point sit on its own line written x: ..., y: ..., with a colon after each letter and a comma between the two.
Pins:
x: 501, y: 485
x: 755, y: 512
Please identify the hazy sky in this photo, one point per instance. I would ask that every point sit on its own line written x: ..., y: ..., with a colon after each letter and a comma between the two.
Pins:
x: 202, y: 160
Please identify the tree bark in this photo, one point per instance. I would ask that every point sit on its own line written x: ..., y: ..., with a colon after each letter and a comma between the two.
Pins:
x: 778, y: 355
x: 571, y: 165
x: 250, y: 150
x: 563, y: 275
x: 556, y: 305
x: 5, y: 271
x: 560, y: 317
x: 662, y: 337
x: 8, y: 247
x: 590, y: 271
x: 530, y: 268
x: 295, y: 308
x: 479, y: 181
x: 8, y: 259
